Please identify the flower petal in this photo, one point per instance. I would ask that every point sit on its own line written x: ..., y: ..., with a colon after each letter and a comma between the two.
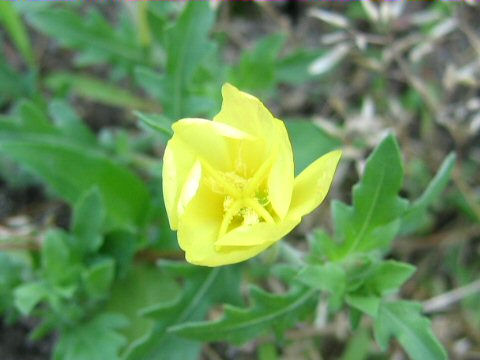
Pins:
x: 257, y: 234
x: 190, y: 187
x: 198, y: 231
x: 248, y: 156
x: 177, y: 163
x: 209, y: 140
x: 280, y: 180
x: 311, y: 186
x: 245, y: 112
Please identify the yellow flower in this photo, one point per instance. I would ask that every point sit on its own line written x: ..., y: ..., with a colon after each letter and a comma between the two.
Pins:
x: 229, y: 184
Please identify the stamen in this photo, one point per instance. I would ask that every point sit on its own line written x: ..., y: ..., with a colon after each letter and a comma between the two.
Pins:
x: 258, y: 177
x: 220, y: 179
x: 260, y: 210
x: 250, y: 217
x: 227, y: 203
x: 228, y: 217
x: 245, y: 200
x: 236, y: 179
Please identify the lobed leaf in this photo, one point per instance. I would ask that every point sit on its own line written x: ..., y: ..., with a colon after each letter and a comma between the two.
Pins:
x: 133, y: 291
x: 403, y: 320
x: 99, y: 277
x: 89, y: 33
x: 375, y: 199
x: 370, y: 283
x: 256, y: 68
x: 70, y: 125
x: 388, y: 277
x: 267, y: 311
x: 186, y: 45
x: 203, y: 287
x: 56, y: 260
x: 330, y: 277
x: 368, y: 304
x: 88, y: 220
x: 71, y: 170
x: 418, y: 209
x: 11, y: 270
x: 437, y: 185
x: 28, y: 295
x: 96, y: 339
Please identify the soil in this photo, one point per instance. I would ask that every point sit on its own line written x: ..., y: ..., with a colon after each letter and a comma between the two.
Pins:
x: 14, y: 343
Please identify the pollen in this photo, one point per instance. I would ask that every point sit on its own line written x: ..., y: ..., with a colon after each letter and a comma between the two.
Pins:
x: 236, y: 180
x: 227, y: 203
x: 244, y: 210
x: 250, y: 217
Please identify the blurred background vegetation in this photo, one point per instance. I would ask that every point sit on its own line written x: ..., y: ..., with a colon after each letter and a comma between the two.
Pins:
x: 87, y: 95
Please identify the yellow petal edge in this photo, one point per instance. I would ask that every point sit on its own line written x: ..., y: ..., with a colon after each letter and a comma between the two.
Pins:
x: 229, y: 186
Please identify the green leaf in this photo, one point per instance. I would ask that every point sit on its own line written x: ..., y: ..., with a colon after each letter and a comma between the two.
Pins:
x: 437, y: 185
x: 375, y: 199
x: 160, y: 16
x: 366, y: 304
x: 56, y: 261
x: 153, y: 83
x: 329, y: 277
x: 376, y: 276
x: 88, y: 220
x: 388, y: 277
x: 322, y: 247
x: 34, y: 119
x: 419, y: 207
x: 293, y: 68
x: 381, y: 237
x: 43, y: 329
x: 121, y: 246
x: 256, y: 68
x: 309, y: 142
x: 97, y: 90
x: 267, y: 311
x: 138, y: 289
x: 467, y: 206
x: 267, y: 351
x: 14, y: 25
x: 89, y: 33
x: 71, y: 169
x: 403, y: 320
x: 98, y: 278
x: 96, y: 339
x: 358, y: 346
x: 11, y: 270
x: 28, y: 295
x: 202, y: 288
x: 186, y: 45
x: 15, y: 85
x: 70, y: 124
x: 156, y: 122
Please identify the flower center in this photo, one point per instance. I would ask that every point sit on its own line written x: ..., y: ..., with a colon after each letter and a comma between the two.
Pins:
x: 243, y: 207
x: 245, y: 211
x: 246, y: 201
